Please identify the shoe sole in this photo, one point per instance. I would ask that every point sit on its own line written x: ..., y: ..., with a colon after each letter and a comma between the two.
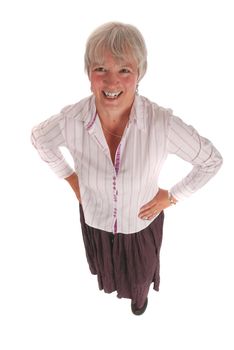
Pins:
x: 139, y: 312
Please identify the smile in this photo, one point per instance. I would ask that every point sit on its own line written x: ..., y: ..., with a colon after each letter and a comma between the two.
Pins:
x: 112, y: 95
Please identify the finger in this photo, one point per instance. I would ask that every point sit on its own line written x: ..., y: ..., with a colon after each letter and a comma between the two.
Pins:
x: 148, y: 217
x: 145, y: 214
x: 151, y: 207
x: 153, y: 215
x: 148, y: 214
x: 147, y: 206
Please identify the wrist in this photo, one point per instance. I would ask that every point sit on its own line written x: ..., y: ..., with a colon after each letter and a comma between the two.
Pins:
x: 171, y: 199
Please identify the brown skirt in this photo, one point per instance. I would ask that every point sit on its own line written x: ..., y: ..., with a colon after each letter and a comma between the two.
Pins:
x: 126, y: 263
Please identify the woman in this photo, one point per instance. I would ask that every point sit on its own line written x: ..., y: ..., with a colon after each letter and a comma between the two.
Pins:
x: 119, y: 142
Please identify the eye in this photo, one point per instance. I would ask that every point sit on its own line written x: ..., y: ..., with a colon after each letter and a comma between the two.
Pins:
x: 125, y: 70
x: 99, y: 69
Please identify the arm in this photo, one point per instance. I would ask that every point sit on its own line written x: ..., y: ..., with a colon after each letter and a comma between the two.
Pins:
x: 74, y: 183
x: 47, y: 138
x: 186, y: 143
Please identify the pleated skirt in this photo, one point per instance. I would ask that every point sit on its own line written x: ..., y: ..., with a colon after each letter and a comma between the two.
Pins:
x: 125, y: 263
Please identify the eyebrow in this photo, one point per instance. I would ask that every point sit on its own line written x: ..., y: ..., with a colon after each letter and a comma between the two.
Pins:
x: 121, y: 65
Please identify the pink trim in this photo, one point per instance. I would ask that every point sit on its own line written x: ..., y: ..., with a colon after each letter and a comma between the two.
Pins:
x: 117, y: 159
x: 90, y: 124
x: 115, y: 191
x: 115, y: 226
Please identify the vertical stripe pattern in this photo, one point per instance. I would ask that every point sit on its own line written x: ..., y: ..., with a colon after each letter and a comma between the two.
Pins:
x: 112, y: 194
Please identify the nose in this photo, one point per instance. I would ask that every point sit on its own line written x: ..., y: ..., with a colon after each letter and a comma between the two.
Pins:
x: 111, y: 78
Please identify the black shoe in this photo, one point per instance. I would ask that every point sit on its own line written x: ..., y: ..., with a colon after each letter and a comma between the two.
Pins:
x: 140, y: 311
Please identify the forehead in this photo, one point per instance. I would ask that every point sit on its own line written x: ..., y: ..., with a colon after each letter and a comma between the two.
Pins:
x: 107, y: 58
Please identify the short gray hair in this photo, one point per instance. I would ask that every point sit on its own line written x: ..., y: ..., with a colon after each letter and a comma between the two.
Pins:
x: 122, y: 40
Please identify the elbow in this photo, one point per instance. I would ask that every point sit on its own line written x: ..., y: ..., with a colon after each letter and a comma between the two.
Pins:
x: 36, y: 137
x: 32, y: 137
x: 219, y: 161
x: 216, y: 161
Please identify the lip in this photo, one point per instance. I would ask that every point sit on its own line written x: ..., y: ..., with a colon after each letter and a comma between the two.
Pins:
x: 112, y: 95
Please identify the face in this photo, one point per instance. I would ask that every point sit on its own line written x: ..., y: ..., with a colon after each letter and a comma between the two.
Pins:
x: 114, y: 83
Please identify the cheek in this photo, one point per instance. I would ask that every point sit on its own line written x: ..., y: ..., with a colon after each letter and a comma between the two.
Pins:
x: 95, y: 86
x: 131, y: 83
x: 95, y: 80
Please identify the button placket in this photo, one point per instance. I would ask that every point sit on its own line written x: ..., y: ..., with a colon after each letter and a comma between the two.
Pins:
x: 115, y: 189
x: 114, y: 182
x: 115, y: 200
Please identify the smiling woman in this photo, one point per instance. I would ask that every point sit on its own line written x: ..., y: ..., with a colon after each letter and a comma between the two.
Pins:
x: 114, y: 87
x: 119, y: 142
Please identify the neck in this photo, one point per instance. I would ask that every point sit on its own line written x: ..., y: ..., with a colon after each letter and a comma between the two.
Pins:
x: 113, y: 119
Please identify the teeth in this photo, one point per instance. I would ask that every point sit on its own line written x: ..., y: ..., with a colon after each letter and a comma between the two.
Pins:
x: 112, y: 94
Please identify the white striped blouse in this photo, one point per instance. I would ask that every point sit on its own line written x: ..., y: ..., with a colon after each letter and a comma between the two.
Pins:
x: 112, y: 194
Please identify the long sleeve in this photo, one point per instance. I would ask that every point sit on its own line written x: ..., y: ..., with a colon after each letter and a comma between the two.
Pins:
x: 185, y: 142
x: 47, y: 138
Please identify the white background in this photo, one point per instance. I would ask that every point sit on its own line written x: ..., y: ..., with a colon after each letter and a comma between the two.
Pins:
x: 48, y: 298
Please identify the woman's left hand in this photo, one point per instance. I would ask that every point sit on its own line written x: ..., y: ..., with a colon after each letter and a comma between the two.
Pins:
x: 155, y: 206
